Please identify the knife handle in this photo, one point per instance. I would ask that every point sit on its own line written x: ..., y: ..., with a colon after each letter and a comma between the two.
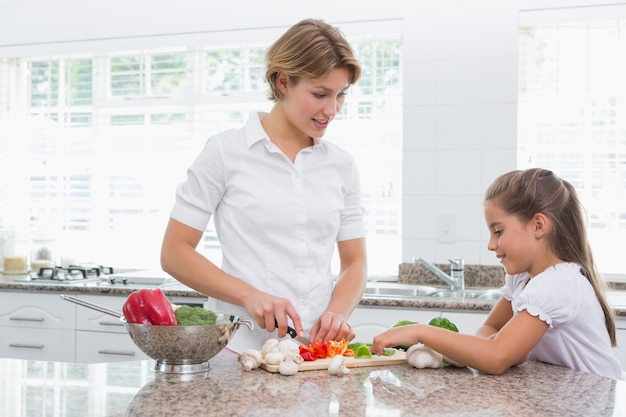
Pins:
x: 290, y: 330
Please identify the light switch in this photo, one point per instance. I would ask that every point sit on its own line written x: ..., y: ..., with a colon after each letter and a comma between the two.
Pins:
x: 446, y: 228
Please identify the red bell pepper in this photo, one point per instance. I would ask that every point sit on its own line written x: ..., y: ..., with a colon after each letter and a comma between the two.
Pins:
x: 133, y: 310
x: 149, y: 307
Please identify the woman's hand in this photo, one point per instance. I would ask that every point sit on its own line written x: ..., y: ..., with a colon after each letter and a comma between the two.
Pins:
x: 331, y: 326
x: 267, y: 310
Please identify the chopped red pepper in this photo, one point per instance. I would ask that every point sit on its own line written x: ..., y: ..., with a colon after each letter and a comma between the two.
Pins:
x: 307, y: 355
x: 149, y: 307
x: 323, y: 350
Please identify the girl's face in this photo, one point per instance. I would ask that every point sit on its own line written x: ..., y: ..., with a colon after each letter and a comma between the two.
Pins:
x: 310, y: 105
x: 513, y: 241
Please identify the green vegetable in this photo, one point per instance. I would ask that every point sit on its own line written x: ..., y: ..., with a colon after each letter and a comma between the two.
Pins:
x: 194, y: 316
x: 443, y: 323
x: 404, y: 323
x: 362, y: 350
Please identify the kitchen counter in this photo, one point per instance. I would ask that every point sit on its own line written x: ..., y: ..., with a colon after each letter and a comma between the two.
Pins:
x: 617, y: 299
x: 29, y: 388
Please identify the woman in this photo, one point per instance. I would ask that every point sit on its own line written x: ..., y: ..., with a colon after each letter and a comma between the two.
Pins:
x: 281, y: 197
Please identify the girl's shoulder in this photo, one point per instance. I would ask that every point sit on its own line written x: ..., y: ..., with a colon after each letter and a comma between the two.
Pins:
x: 564, y: 280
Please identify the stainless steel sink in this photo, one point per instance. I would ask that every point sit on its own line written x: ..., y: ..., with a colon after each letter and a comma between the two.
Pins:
x: 478, y: 294
x: 490, y: 294
x: 393, y: 290
x: 457, y: 293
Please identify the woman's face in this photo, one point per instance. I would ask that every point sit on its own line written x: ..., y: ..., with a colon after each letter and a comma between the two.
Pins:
x: 310, y: 105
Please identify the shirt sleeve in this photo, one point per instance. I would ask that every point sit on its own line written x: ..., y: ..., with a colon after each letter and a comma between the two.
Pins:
x: 352, y: 223
x: 550, y: 296
x: 198, y: 197
x: 513, y: 285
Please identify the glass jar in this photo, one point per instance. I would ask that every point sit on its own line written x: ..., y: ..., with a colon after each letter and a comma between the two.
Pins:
x: 43, y: 254
x: 16, y: 256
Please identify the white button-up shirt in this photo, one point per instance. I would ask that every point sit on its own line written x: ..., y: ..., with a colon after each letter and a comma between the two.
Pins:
x: 277, y: 221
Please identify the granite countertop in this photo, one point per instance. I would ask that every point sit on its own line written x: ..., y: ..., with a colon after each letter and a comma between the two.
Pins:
x: 29, y: 388
x: 617, y: 297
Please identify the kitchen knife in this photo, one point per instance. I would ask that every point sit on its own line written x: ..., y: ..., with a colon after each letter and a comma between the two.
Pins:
x: 292, y: 332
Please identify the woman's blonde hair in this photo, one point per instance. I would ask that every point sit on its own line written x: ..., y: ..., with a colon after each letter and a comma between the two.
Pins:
x: 309, y: 49
x: 524, y: 193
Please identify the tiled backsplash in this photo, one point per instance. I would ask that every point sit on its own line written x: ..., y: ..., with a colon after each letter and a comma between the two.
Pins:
x: 475, y: 276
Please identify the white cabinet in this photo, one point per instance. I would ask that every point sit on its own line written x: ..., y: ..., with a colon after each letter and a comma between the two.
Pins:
x: 368, y: 322
x: 42, y: 326
x: 36, y: 326
x: 101, y: 337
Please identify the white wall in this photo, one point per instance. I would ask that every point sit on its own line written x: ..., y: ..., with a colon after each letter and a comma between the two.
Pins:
x: 460, y: 83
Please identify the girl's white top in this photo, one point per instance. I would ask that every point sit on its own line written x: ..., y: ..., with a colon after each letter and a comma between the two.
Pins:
x: 277, y: 221
x: 577, y: 336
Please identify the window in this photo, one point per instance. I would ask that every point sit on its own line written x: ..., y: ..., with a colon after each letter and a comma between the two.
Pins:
x: 572, y: 119
x: 96, y: 144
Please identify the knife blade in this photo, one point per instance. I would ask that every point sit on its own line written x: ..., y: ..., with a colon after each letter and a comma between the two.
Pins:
x: 292, y: 332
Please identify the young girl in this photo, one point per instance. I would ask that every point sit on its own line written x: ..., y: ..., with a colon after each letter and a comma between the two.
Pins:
x: 282, y: 198
x: 553, y: 307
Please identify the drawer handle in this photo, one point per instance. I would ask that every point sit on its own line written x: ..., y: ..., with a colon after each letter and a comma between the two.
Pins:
x: 20, y: 345
x: 26, y: 319
x: 110, y: 323
x: 116, y: 352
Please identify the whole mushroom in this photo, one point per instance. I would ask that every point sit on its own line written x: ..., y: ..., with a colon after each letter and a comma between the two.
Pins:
x: 250, y: 359
x: 338, y: 366
x: 267, y: 346
x: 288, y: 366
x: 274, y: 356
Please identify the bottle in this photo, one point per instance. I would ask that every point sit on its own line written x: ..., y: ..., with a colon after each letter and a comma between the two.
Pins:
x: 16, y: 255
x: 43, y: 254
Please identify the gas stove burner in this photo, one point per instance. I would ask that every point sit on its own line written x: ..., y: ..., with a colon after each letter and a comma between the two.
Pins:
x: 71, y: 273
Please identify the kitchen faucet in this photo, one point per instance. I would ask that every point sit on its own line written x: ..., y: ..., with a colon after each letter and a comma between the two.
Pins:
x: 456, y: 279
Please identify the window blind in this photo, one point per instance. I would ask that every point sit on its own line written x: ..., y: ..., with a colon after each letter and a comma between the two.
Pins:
x: 106, y: 137
x: 572, y: 119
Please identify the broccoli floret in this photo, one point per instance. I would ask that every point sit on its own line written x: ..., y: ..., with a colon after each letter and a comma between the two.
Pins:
x: 194, y: 316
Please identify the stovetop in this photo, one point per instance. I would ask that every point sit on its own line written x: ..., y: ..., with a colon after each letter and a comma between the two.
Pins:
x: 71, y: 273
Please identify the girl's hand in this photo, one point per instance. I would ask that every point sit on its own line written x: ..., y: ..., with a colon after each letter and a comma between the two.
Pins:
x: 331, y: 326
x: 267, y: 310
x: 396, y: 336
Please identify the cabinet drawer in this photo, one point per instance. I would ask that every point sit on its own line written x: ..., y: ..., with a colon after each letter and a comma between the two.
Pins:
x: 32, y: 310
x: 37, y: 344
x: 368, y: 322
x: 98, y: 347
x: 468, y: 322
x: 88, y: 319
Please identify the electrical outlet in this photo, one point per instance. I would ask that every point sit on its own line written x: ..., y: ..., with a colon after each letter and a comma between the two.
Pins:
x: 446, y: 228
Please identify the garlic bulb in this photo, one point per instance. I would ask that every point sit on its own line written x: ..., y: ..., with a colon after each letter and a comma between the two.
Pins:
x: 421, y: 356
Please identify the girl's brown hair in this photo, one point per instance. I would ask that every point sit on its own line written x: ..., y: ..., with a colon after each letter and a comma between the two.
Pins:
x: 309, y: 49
x: 524, y: 193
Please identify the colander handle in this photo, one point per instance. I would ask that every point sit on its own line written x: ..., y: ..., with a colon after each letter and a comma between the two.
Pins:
x: 248, y: 323
x: 91, y: 306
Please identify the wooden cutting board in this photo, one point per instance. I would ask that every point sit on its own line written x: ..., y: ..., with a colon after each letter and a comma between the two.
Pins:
x: 397, y: 358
